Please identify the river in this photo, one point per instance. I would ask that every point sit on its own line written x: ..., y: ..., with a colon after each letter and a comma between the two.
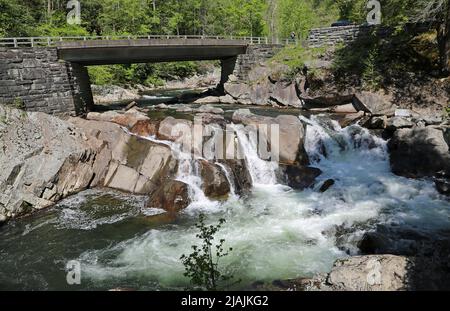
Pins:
x: 276, y: 232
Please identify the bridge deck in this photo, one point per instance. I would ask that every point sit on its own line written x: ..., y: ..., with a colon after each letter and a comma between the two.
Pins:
x: 101, y: 52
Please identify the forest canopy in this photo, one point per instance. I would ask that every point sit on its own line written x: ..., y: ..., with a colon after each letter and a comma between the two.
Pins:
x: 273, y: 18
x: 175, y: 17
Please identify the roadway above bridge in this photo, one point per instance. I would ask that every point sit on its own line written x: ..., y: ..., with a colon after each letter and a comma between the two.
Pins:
x: 105, y: 52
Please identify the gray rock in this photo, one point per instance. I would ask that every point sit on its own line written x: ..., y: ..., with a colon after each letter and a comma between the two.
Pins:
x: 227, y: 99
x: 237, y: 90
x: 291, y: 134
x: 214, y: 182
x: 162, y: 106
x: 208, y: 118
x: 241, y: 176
x: 286, y: 95
x: 364, y: 273
x: 419, y: 152
x: 432, y: 120
x: 173, y: 129
x: 130, y: 105
x: 399, y: 123
x: 127, y: 119
x: 172, y: 196
x: 380, y: 122
x: 184, y: 109
x: 37, y: 169
x: 327, y: 184
x: 373, y: 103
x: 209, y: 109
x: 207, y: 100
x: 138, y: 165
x: 404, y: 113
x: 301, y: 178
x: 108, y: 94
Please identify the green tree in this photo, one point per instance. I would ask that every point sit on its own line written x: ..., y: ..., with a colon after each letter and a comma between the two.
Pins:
x: 15, y: 19
x: 300, y: 16
x: 397, y: 13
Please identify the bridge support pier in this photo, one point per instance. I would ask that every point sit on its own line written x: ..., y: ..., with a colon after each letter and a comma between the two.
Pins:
x: 81, y: 88
x: 228, y: 66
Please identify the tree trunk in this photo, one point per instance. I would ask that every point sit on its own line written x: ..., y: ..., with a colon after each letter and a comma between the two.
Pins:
x: 271, y: 16
x: 443, y: 38
x: 446, y: 44
x: 49, y: 8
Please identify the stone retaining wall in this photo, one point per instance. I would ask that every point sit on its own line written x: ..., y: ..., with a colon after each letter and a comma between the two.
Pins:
x: 346, y: 34
x: 36, y: 80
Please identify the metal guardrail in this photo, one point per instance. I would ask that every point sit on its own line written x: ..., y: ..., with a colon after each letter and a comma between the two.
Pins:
x: 52, y: 41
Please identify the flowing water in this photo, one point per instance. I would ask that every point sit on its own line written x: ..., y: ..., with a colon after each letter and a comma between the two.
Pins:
x: 275, y: 232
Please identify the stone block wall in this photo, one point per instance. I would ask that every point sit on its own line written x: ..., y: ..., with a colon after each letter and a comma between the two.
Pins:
x: 334, y: 35
x: 256, y: 54
x: 36, y: 79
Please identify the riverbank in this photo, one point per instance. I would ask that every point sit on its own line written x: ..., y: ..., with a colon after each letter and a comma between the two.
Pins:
x: 106, y: 94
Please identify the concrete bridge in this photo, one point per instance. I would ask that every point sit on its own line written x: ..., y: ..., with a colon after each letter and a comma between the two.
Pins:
x: 50, y: 74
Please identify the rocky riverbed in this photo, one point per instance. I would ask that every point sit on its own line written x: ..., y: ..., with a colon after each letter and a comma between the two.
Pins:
x: 331, y: 194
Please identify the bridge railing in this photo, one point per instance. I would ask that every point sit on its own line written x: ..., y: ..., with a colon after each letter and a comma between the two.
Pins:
x: 52, y: 41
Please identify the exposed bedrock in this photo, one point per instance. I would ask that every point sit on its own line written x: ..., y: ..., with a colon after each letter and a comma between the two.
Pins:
x: 44, y: 159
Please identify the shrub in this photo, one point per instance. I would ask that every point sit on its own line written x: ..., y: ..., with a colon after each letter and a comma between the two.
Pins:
x: 202, y: 265
x: 18, y: 103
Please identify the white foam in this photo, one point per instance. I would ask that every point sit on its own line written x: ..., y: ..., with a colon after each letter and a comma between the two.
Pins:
x: 280, y: 233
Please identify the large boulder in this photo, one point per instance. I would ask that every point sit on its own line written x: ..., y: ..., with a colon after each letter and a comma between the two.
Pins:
x: 364, y: 273
x: 246, y: 117
x: 286, y: 94
x: 259, y: 93
x: 139, y: 165
x: 127, y: 119
x: 227, y: 99
x: 44, y: 159
x: 207, y: 100
x: 237, y: 90
x: 442, y: 182
x: 173, y: 129
x: 291, y: 144
x: 145, y: 128
x: 208, y: 118
x: 214, y: 181
x: 240, y: 174
x: 419, y: 152
x: 108, y: 94
x: 373, y: 103
x: 291, y: 134
x: 323, y: 102
x: 172, y: 196
x: 300, y: 178
x: 209, y: 109
x: 396, y: 123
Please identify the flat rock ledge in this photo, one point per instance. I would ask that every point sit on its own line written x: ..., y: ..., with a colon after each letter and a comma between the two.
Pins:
x: 358, y: 273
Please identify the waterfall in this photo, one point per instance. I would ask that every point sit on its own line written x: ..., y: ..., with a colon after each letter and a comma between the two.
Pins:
x: 226, y: 171
x: 326, y: 139
x: 262, y: 172
x: 188, y: 172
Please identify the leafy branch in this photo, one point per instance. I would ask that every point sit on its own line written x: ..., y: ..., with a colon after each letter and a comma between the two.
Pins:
x: 202, y: 265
